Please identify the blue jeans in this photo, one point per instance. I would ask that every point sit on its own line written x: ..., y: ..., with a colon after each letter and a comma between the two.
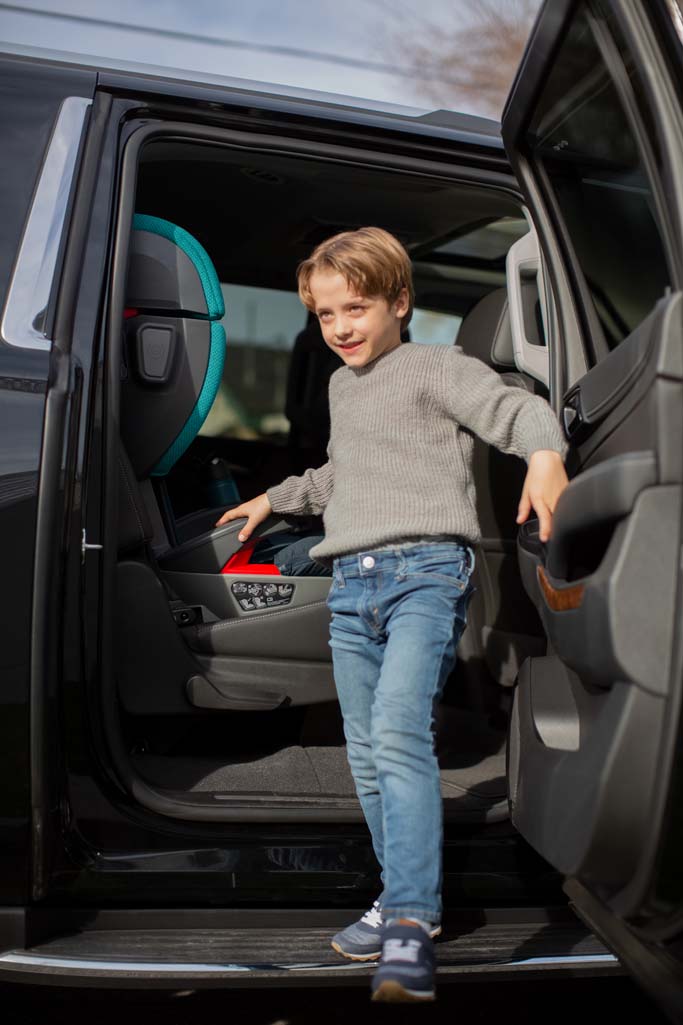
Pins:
x: 290, y: 554
x: 397, y: 617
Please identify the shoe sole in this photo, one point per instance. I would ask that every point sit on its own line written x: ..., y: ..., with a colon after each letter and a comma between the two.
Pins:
x: 357, y: 957
x: 392, y: 992
x: 376, y: 954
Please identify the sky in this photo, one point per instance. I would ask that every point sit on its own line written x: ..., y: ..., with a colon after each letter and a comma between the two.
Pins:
x: 355, y: 31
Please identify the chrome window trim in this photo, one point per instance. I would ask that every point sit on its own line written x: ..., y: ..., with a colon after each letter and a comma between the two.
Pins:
x: 676, y: 17
x: 34, y: 269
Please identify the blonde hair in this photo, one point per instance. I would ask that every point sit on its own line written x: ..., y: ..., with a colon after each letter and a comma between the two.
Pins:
x: 370, y: 259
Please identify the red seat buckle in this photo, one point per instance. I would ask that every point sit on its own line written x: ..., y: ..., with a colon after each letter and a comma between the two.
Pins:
x: 239, y: 562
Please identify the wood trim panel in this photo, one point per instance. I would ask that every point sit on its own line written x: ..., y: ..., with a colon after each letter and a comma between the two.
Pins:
x: 560, y: 599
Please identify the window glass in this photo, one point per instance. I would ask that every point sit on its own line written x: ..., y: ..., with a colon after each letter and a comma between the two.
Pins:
x: 428, y: 327
x: 261, y: 327
x: 582, y: 138
x: 489, y: 242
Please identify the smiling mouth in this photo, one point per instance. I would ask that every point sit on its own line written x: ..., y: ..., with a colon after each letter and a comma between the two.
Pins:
x: 351, y: 345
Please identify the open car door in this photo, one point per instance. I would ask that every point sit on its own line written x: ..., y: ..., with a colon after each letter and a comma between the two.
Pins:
x: 594, y: 129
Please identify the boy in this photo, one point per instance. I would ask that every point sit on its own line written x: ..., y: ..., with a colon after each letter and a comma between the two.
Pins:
x: 398, y: 505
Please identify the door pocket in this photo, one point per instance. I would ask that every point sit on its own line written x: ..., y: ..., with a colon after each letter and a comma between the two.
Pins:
x: 615, y: 623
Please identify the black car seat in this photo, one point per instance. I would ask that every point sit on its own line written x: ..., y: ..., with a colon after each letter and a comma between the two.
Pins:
x: 504, y: 626
x: 204, y: 627
x: 307, y: 405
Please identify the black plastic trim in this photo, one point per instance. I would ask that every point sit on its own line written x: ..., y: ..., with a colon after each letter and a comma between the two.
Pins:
x: 655, y: 968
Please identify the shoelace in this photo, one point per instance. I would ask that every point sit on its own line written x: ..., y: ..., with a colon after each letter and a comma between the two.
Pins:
x: 373, y: 917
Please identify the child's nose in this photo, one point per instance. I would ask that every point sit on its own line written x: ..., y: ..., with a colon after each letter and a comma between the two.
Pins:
x: 342, y: 328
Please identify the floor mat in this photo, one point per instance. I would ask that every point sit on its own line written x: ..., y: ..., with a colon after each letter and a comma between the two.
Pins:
x: 288, y: 771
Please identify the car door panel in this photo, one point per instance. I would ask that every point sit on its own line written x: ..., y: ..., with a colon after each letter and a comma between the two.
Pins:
x: 596, y: 721
x: 560, y: 744
x: 605, y: 686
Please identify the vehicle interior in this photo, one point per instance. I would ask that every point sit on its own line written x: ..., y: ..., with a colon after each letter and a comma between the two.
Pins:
x: 224, y: 687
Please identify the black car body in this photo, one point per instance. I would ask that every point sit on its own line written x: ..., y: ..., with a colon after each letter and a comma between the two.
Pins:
x: 173, y: 762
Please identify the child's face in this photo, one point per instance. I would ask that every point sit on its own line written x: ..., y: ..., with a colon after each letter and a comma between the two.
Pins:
x: 357, y: 327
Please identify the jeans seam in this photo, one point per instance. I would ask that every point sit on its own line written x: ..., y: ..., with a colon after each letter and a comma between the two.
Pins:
x: 337, y: 577
x: 430, y: 915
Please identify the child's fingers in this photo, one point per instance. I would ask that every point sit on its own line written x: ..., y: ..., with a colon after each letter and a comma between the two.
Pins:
x: 246, y: 531
x: 225, y: 518
x: 254, y: 512
x: 524, y: 507
x: 545, y: 519
x: 231, y: 514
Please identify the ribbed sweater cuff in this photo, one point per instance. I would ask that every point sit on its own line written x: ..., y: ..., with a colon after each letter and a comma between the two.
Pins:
x: 547, y: 442
x: 286, y: 497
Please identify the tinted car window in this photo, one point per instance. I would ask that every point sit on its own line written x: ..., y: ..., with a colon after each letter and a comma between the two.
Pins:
x: 582, y: 138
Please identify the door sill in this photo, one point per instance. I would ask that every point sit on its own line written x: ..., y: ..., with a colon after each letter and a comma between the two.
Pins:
x: 220, y: 807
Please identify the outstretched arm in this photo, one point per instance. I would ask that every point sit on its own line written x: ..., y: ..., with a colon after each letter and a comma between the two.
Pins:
x: 516, y: 422
x: 510, y: 418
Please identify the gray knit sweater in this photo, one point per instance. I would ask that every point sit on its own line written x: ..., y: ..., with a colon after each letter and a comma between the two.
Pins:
x: 400, y: 454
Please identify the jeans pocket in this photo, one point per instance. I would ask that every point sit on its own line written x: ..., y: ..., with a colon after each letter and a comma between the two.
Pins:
x: 440, y: 569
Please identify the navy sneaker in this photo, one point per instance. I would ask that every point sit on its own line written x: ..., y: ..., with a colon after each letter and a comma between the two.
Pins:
x: 406, y: 971
x: 362, y: 941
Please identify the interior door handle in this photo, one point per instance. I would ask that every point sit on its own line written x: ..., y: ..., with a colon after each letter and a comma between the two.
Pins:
x: 603, y: 494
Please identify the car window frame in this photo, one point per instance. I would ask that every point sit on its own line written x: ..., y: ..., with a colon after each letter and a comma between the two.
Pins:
x: 594, y: 344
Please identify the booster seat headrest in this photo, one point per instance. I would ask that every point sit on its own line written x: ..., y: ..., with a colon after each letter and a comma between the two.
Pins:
x: 174, y: 349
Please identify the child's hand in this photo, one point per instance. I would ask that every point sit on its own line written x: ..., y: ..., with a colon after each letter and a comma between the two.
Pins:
x: 545, y: 481
x: 256, y: 510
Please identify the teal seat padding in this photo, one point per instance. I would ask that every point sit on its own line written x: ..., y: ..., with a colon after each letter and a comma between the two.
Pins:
x: 200, y: 412
x: 197, y: 254
x: 216, y: 307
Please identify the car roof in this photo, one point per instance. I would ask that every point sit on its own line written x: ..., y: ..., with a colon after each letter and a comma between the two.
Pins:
x: 464, y: 127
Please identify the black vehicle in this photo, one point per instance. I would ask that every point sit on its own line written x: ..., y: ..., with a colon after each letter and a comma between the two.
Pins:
x: 175, y: 801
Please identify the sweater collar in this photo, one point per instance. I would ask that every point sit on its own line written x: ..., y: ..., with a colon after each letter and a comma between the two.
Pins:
x: 383, y: 359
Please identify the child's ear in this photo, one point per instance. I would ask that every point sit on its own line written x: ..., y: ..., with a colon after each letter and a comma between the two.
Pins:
x: 402, y: 303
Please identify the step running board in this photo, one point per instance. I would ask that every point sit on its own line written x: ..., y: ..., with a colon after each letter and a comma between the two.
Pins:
x: 492, y: 944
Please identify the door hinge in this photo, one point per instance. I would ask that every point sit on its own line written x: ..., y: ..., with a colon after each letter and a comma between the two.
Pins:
x: 85, y: 547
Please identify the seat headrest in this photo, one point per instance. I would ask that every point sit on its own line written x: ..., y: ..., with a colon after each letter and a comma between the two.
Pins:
x: 174, y: 348
x: 168, y: 269
x: 486, y: 333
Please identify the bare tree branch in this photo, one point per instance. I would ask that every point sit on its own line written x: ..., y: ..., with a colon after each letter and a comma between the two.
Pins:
x: 466, y: 60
